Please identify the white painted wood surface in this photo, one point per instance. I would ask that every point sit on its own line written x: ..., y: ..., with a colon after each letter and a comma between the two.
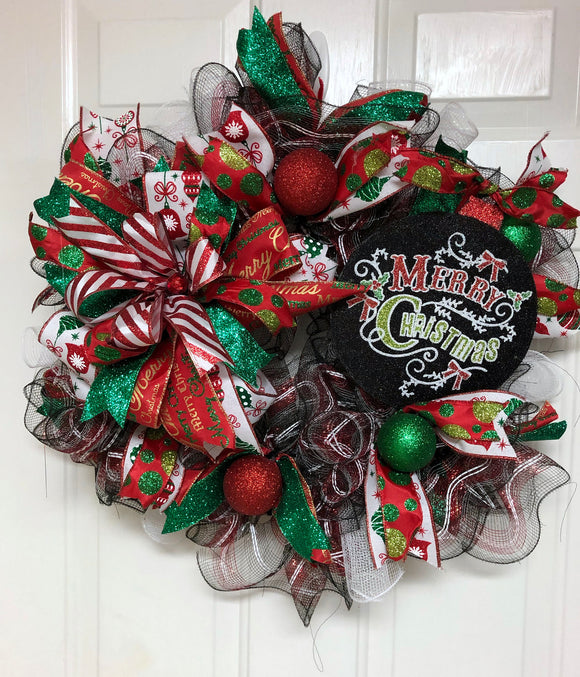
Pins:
x: 84, y: 592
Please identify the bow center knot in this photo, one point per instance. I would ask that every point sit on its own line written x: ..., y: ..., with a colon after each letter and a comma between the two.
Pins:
x: 177, y: 283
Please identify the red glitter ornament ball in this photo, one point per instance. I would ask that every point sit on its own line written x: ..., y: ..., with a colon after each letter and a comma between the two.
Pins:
x: 253, y: 485
x: 305, y: 182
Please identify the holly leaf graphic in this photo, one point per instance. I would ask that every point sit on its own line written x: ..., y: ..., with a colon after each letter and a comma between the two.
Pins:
x: 67, y: 323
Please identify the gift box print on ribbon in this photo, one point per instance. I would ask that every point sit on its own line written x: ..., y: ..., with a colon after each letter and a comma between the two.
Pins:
x: 298, y: 333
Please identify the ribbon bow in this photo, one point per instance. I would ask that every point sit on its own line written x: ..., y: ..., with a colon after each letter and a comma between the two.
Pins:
x: 453, y: 369
x: 138, y: 308
x: 154, y: 475
x: 488, y: 259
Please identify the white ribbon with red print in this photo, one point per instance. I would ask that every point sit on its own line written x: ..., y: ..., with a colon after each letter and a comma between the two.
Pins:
x: 246, y: 136
x: 176, y: 217
x: 389, y: 183
x: 100, y: 134
x: 239, y: 414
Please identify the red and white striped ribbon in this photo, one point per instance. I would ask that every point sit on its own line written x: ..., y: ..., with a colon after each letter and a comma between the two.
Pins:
x: 203, y: 264
x: 139, y: 325
x: 193, y: 325
x: 142, y: 233
x: 98, y: 240
x: 84, y: 285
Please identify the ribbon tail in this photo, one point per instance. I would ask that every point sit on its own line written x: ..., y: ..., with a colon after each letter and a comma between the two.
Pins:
x: 113, y: 388
x: 192, y: 411
x: 375, y: 532
x: 148, y: 464
x: 296, y: 516
x: 546, y: 425
x: 195, y: 329
x: 246, y: 354
x: 425, y: 544
x: 268, y: 69
x: 400, y: 514
x: 204, y: 497
x: 237, y: 403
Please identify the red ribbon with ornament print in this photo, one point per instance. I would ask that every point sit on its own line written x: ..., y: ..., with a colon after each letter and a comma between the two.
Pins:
x: 231, y: 173
x: 532, y: 198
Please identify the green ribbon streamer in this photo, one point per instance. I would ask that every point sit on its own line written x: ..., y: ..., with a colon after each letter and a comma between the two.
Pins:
x: 209, y: 207
x: 113, y: 387
x: 51, y: 406
x: 56, y: 204
x: 398, y: 105
x: 247, y: 355
x: 295, y: 519
x: 445, y: 149
x: 58, y: 277
x: 427, y: 201
x: 552, y: 431
x: 204, y: 497
x: 267, y: 68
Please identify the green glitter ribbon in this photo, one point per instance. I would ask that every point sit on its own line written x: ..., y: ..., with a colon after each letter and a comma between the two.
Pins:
x: 445, y: 149
x: 247, y: 355
x: 204, y: 497
x: 267, y: 68
x: 427, y: 202
x: 209, y: 207
x: 56, y: 205
x: 101, y: 302
x: 162, y: 165
x: 58, y: 277
x: 396, y: 105
x: 295, y: 519
x: 552, y: 431
x: 113, y: 388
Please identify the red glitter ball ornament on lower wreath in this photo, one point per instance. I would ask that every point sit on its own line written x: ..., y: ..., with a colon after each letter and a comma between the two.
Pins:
x: 305, y: 182
x: 253, y: 485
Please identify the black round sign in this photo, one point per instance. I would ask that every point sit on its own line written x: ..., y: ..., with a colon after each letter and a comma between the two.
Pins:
x: 450, y: 307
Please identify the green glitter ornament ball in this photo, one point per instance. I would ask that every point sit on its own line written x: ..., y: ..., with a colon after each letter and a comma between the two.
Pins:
x: 525, y: 235
x: 406, y: 442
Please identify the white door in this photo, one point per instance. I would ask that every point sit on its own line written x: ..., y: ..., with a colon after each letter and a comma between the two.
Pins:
x: 84, y: 591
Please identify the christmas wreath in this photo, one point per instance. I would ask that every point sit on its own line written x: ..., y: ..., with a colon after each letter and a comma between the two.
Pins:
x: 300, y: 333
